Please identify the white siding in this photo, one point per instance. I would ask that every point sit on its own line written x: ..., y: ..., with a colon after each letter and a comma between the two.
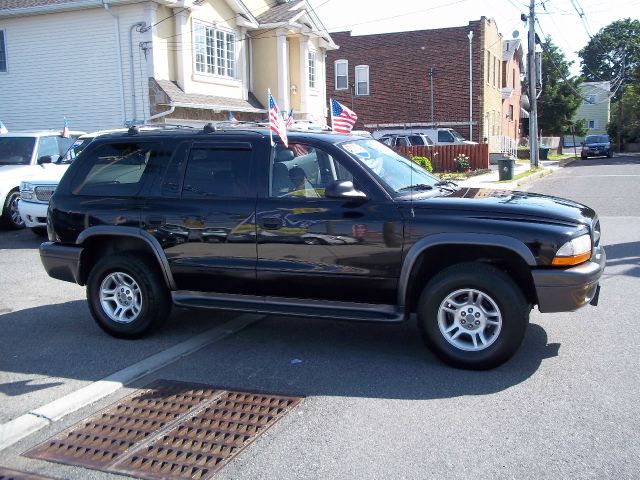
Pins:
x: 65, y: 64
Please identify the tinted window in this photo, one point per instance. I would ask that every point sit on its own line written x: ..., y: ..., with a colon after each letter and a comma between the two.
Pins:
x: 597, y: 139
x: 115, y: 169
x: 16, y: 150
x: 217, y: 172
x: 416, y: 140
x: 444, y: 136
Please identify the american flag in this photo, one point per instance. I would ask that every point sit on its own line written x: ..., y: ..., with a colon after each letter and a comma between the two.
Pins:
x: 299, y: 150
x: 342, y: 119
x: 232, y: 117
x: 290, y: 119
x: 65, y: 129
x: 276, y: 123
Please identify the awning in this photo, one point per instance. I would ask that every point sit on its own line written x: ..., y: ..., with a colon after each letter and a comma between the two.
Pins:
x: 523, y: 113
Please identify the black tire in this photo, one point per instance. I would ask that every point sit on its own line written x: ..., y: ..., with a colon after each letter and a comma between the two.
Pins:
x: 610, y: 154
x: 584, y: 157
x: 152, y: 295
x: 10, y: 216
x: 39, y: 231
x: 508, y: 302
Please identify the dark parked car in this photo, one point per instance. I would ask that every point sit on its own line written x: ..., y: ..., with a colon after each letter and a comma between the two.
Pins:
x: 597, y: 146
x: 333, y: 226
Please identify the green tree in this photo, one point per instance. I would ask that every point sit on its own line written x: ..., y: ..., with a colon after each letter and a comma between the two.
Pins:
x: 613, y: 54
x: 560, y: 97
x: 630, y: 128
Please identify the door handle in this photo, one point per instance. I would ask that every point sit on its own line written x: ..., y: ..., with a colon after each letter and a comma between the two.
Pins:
x: 273, y: 223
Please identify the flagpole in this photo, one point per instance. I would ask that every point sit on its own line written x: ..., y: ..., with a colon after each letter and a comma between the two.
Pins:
x: 331, y: 111
x: 269, y: 115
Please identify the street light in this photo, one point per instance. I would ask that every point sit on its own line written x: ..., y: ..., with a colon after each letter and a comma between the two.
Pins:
x: 470, y: 86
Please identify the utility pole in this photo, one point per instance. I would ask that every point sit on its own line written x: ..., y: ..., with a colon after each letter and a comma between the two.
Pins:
x: 533, y: 115
x: 431, y: 72
x: 471, y: 85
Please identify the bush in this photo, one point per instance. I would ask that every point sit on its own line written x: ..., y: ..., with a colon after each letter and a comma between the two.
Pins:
x: 462, y: 163
x: 424, y: 162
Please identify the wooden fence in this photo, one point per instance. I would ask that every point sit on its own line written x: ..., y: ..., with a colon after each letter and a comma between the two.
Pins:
x: 443, y: 156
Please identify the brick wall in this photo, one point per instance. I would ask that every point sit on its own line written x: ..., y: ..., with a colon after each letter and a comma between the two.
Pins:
x: 399, y: 75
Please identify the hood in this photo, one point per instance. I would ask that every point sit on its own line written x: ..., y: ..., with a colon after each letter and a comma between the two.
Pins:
x: 512, y: 204
x: 12, y: 173
x: 49, y: 176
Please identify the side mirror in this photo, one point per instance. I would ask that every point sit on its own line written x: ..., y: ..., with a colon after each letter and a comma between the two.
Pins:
x: 45, y: 159
x: 343, y: 190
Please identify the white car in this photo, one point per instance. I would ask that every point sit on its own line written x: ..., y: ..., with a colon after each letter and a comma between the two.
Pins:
x: 36, y: 191
x: 23, y: 156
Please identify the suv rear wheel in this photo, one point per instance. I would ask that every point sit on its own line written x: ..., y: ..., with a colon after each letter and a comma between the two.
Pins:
x: 126, y: 296
x: 10, y: 213
x: 473, y: 316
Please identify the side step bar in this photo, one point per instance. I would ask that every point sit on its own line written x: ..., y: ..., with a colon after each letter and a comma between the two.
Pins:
x: 364, y: 312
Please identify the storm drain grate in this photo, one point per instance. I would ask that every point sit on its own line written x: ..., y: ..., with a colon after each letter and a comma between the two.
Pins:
x: 191, y: 432
x: 7, y: 474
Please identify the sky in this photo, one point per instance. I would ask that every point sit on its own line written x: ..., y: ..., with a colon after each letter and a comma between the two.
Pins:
x: 557, y: 18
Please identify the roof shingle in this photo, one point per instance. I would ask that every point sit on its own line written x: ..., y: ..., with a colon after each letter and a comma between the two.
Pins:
x: 280, y: 13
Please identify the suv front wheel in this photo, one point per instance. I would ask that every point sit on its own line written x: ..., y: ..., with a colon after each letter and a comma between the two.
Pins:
x: 10, y: 213
x: 473, y: 316
x: 127, y: 296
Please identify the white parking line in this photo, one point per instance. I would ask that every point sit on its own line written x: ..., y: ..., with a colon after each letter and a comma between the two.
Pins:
x: 18, y: 428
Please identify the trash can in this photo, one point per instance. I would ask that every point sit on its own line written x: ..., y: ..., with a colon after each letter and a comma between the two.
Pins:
x: 544, y: 152
x: 505, y: 168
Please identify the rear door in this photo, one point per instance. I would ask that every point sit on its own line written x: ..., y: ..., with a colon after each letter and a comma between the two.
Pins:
x: 202, y: 214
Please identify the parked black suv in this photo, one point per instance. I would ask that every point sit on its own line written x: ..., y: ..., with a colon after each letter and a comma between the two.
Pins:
x: 333, y: 226
x: 597, y: 146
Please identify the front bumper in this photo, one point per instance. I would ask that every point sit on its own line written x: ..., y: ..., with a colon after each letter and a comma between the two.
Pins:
x: 61, y: 261
x: 33, y: 214
x: 571, y: 288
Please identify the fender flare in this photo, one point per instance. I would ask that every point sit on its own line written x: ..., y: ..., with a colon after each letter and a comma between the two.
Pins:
x: 138, y: 233
x: 480, y: 239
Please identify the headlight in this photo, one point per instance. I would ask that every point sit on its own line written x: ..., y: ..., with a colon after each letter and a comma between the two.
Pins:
x: 573, y: 252
x: 26, y: 191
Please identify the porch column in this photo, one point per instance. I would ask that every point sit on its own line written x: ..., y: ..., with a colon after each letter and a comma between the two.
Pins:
x: 282, y: 69
x: 244, y: 64
x: 304, y: 77
x: 183, y: 55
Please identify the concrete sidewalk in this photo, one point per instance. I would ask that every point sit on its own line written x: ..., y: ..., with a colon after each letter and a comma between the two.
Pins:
x: 491, y: 179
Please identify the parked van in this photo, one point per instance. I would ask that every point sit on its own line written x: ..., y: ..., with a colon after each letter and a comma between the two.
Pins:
x: 439, y: 136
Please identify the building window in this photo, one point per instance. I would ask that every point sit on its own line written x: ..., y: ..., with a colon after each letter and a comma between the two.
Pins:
x: 362, y: 80
x: 312, y: 69
x: 3, y: 53
x: 510, y: 112
x: 341, y: 74
x: 591, y: 124
x: 214, y: 51
x: 590, y: 99
x: 488, y: 67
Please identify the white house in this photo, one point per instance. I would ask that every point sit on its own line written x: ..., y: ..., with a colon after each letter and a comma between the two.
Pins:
x: 108, y: 63
x: 595, y: 109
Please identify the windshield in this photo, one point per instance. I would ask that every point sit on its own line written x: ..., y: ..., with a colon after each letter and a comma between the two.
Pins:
x: 395, y: 171
x: 75, y: 149
x: 457, y: 135
x: 16, y: 150
x: 597, y: 139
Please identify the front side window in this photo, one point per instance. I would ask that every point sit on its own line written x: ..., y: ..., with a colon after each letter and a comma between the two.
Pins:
x: 214, y: 51
x: 48, y: 146
x: 3, y: 53
x: 342, y: 74
x: 303, y: 171
x: 312, y: 69
x: 115, y: 169
x: 217, y: 172
x: 362, y: 80
x: 445, y: 137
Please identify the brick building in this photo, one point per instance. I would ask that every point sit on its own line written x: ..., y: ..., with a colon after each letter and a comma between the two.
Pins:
x: 385, y: 77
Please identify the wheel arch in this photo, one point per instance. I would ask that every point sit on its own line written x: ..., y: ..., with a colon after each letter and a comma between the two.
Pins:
x: 98, y: 241
x: 432, y: 254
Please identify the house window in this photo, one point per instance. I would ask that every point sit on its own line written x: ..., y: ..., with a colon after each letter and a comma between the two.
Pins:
x: 591, y: 124
x: 341, y: 74
x: 590, y: 99
x: 214, y: 51
x: 510, y: 112
x: 362, y: 80
x: 488, y: 67
x: 312, y: 69
x: 3, y: 53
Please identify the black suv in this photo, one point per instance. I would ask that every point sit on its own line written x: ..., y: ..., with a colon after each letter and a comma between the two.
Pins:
x: 333, y: 226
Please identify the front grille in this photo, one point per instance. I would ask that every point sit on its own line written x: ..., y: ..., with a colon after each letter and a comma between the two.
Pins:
x: 44, y: 194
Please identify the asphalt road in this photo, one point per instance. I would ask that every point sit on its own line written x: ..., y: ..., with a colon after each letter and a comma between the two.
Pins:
x: 377, y: 404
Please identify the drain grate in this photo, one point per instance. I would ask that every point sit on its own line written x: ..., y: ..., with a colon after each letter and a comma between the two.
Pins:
x: 171, y: 430
x: 7, y: 474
